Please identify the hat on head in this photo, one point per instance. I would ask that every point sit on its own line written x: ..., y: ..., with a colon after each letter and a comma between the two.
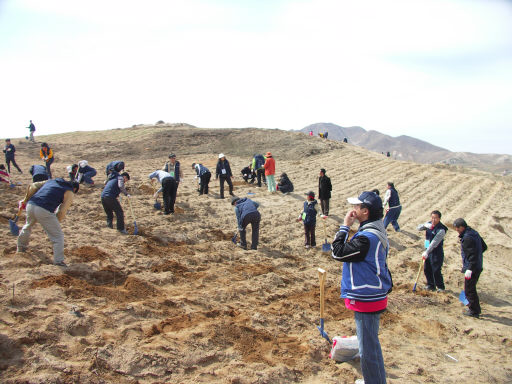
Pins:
x: 310, y: 194
x: 322, y: 170
x: 172, y: 155
x: 234, y: 200
x: 269, y: 154
x: 221, y: 155
x: 370, y: 199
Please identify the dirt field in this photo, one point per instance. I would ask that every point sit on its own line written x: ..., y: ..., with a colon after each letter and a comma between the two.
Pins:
x: 179, y: 303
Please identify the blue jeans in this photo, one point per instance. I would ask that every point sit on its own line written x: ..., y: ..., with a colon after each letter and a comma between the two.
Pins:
x: 88, y: 176
x: 392, y: 217
x: 372, y: 362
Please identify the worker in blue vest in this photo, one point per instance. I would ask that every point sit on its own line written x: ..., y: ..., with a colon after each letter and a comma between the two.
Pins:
x: 47, y: 202
x: 394, y: 207
x: 173, y: 167
x: 38, y: 173
x: 114, y: 186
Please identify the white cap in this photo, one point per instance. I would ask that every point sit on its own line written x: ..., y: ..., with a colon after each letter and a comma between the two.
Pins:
x: 221, y: 155
x: 69, y: 168
x: 83, y: 163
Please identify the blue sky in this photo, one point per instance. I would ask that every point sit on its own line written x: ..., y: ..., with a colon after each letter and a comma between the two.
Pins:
x: 437, y: 70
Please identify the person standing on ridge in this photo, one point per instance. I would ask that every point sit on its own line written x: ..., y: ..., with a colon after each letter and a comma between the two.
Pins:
x: 324, y: 191
x: 394, y: 208
x: 434, y: 254
x: 46, y: 155
x: 32, y: 129
x: 472, y: 248
x: 9, y: 151
x: 366, y: 280
x: 224, y: 174
x: 270, y: 171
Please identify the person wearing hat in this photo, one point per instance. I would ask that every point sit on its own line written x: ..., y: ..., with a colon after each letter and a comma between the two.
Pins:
x: 270, y: 170
x: 366, y: 280
x: 224, y: 174
x: 324, y: 191
x: 172, y: 166
x: 308, y: 217
x: 46, y: 154
x: 9, y: 151
x: 246, y: 212
x: 46, y: 203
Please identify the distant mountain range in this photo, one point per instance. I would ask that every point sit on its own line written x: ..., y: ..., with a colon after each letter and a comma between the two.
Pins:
x: 411, y: 149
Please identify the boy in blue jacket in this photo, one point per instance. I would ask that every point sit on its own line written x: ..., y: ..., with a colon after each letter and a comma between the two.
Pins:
x: 308, y: 217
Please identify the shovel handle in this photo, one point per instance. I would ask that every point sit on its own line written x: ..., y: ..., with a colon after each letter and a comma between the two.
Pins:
x: 321, y: 277
x: 418, y: 275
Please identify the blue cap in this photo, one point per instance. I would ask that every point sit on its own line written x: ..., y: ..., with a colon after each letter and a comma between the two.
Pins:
x: 370, y: 199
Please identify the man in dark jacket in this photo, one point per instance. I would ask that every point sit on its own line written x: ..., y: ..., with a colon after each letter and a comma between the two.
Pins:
x: 168, y: 188
x: 114, y: 186
x: 248, y: 174
x: 434, y: 253
x: 38, y: 173
x: 308, y: 217
x: 223, y: 173
x: 285, y: 185
x: 324, y: 192
x: 204, y: 177
x: 9, y: 151
x: 472, y: 248
x: 366, y: 280
x: 246, y: 212
x: 46, y: 203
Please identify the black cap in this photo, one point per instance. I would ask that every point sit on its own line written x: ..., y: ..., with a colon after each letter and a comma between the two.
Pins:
x: 322, y: 170
x: 234, y: 200
x: 172, y: 155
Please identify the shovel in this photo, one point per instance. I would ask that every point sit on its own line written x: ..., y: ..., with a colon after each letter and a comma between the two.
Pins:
x: 235, y: 236
x: 135, y: 228
x: 321, y: 276
x: 418, y: 275
x: 326, y: 247
x: 15, y: 230
x: 462, y: 298
x: 157, y: 204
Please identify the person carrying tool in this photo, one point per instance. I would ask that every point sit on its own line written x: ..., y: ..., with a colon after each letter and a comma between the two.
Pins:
x: 246, y: 212
x: 173, y: 167
x: 308, y: 217
x: 47, y: 202
x: 394, y: 208
x: 472, y: 248
x: 9, y: 151
x: 38, y: 173
x: 169, y: 187
x: 366, y: 280
x: 46, y: 154
x: 32, y: 128
x: 204, y: 177
x: 258, y: 162
x: 114, y: 186
x: 324, y: 191
x: 434, y: 254
x: 223, y: 173
x: 285, y: 185
x: 270, y: 170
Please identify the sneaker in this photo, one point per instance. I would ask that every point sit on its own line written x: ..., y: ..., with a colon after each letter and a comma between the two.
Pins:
x: 359, y: 381
x: 123, y: 232
x: 440, y: 290
x: 61, y: 264
x: 429, y: 288
x: 307, y: 246
x: 467, y: 312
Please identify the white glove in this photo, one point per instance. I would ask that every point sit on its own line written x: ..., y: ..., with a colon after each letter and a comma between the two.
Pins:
x: 424, y: 255
x: 468, y: 274
x: 128, y: 195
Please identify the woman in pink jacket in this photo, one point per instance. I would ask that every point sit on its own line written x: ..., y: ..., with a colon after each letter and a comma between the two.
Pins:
x: 270, y: 170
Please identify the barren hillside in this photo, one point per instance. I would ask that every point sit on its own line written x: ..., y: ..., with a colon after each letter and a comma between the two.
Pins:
x: 180, y: 303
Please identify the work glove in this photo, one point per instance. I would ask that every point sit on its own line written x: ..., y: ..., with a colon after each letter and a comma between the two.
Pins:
x: 22, y: 205
x: 128, y: 195
x: 424, y: 255
x: 468, y: 274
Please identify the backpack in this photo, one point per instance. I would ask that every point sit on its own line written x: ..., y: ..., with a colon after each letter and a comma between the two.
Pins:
x: 260, y: 161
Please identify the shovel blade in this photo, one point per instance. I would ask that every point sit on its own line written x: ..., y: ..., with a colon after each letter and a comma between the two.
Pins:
x: 326, y: 247
x: 157, y: 205
x: 233, y: 239
x: 135, y: 228
x: 15, y: 230
x: 462, y: 298
x: 322, y: 332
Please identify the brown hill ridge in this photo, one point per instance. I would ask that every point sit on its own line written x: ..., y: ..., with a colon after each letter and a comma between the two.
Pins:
x: 411, y: 149
x: 180, y: 303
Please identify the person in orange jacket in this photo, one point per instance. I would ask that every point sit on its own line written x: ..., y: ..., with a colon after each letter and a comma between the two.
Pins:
x: 270, y: 170
x: 46, y: 155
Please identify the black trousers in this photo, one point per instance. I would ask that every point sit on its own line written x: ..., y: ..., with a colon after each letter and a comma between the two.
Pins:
x: 433, y: 266
x: 324, y: 204
x: 471, y: 293
x: 260, y: 173
x: 205, y: 180
x: 48, y: 170
x: 111, y: 205
x: 169, y: 188
x: 254, y: 219
x: 309, y: 234
x: 8, y: 161
x: 222, y: 179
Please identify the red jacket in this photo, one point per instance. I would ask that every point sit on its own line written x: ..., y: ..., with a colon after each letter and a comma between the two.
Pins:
x: 270, y: 166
